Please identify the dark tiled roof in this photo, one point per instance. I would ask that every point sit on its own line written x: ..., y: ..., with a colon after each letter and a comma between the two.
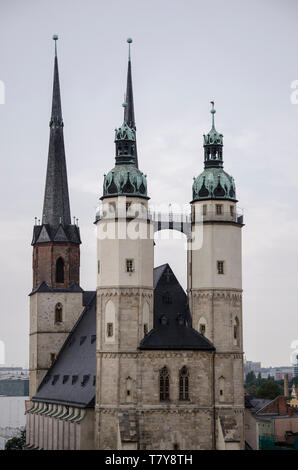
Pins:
x: 175, y: 334
x: 43, y: 287
x: 172, y: 319
x: 71, y: 379
x: 56, y: 198
x: 56, y: 233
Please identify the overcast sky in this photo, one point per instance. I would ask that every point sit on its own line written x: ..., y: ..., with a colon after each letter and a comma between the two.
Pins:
x: 243, y: 54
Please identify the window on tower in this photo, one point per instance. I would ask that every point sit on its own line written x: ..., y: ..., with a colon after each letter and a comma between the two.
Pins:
x: 60, y: 271
x: 110, y: 330
x: 203, y: 329
x: 220, y: 267
x: 164, y: 384
x: 58, y: 313
x: 236, y: 332
x: 129, y: 266
x: 204, y: 209
x: 218, y: 208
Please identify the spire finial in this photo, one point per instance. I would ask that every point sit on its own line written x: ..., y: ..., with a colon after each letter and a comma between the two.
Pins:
x: 212, y: 112
x: 55, y: 38
x: 129, y: 40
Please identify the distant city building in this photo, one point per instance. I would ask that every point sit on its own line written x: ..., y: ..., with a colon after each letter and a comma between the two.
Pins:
x: 270, y: 424
x: 250, y: 366
x: 14, y: 391
x: 295, y: 367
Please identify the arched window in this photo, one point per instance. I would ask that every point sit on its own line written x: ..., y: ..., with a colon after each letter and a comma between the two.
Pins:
x: 202, y: 326
x: 236, y: 330
x: 110, y: 322
x: 183, y: 384
x: 58, y: 313
x: 59, y: 270
x: 164, y: 384
x: 128, y: 389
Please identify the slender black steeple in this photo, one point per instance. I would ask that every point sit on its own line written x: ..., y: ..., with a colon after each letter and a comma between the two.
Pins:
x: 56, y: 223
x: 129, y: 113
x: 56, y: 208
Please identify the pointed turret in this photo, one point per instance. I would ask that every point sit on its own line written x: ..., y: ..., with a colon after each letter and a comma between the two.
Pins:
x: 129, y: 113
x: 56, y: 230
x: 126, y: 178
x: 213, y: 182
x: 56, y: 208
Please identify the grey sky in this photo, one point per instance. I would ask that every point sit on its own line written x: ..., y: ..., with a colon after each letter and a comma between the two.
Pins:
x: 242, y: 54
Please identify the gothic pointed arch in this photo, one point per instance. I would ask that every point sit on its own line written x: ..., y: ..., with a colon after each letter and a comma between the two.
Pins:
x: 236, y: 331
x: 184, y: 383
x: 164, y: 384
x: 58, y: 313
x: 60, y: 270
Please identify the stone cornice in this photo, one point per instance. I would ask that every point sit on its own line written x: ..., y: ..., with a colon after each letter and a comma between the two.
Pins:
x: 125, y: 290
x: 168, y: 409
x: 234, y: 294
x: 163, y: 354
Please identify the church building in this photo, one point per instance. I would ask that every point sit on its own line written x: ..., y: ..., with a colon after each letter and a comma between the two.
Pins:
x: 137, y: 363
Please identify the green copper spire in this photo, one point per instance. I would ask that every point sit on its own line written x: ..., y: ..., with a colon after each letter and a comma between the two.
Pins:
x: 129, y: 113
x: 213, y: 144
x: 214, y: 182
x: 125, y: 178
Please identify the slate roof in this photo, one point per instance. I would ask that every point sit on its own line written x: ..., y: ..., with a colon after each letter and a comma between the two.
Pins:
x: 129, y: 113
x: 172, y: 318
x: 56, y: 198
x: 74, y: 287
x: 56, y: 220
x: 71, y: 379
x: 56, y: 233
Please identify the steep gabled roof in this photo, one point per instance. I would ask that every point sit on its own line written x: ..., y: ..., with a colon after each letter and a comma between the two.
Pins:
x: 172, y: 318
x: 71, y: 379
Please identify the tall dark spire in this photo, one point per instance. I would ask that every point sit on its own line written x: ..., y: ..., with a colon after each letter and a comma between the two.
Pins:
x: 129, y: 113
x: 56, y: 209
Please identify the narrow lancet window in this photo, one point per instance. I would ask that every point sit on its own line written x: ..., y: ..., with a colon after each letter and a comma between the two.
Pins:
x: 183, y: 384
x: 164, y: 384
x: 58, y: 313
x: 59, y: 270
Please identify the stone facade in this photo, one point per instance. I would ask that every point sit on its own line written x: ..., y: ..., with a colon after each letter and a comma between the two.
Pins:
x: 47, y: 336
x: 160, y: 425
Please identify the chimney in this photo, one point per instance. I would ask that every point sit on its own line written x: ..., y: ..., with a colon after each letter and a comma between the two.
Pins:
x: 286, y: 385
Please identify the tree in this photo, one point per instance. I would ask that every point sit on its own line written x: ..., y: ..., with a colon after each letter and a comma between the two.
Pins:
x: 269, y: 389
x: 250, y: 378
x: 16, y: 442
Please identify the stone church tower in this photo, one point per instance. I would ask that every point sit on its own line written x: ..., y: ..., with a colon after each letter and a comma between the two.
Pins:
x: 215, y: 276
x: 125, y: 278
x: 56, y: 298
x: 138, y: 363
